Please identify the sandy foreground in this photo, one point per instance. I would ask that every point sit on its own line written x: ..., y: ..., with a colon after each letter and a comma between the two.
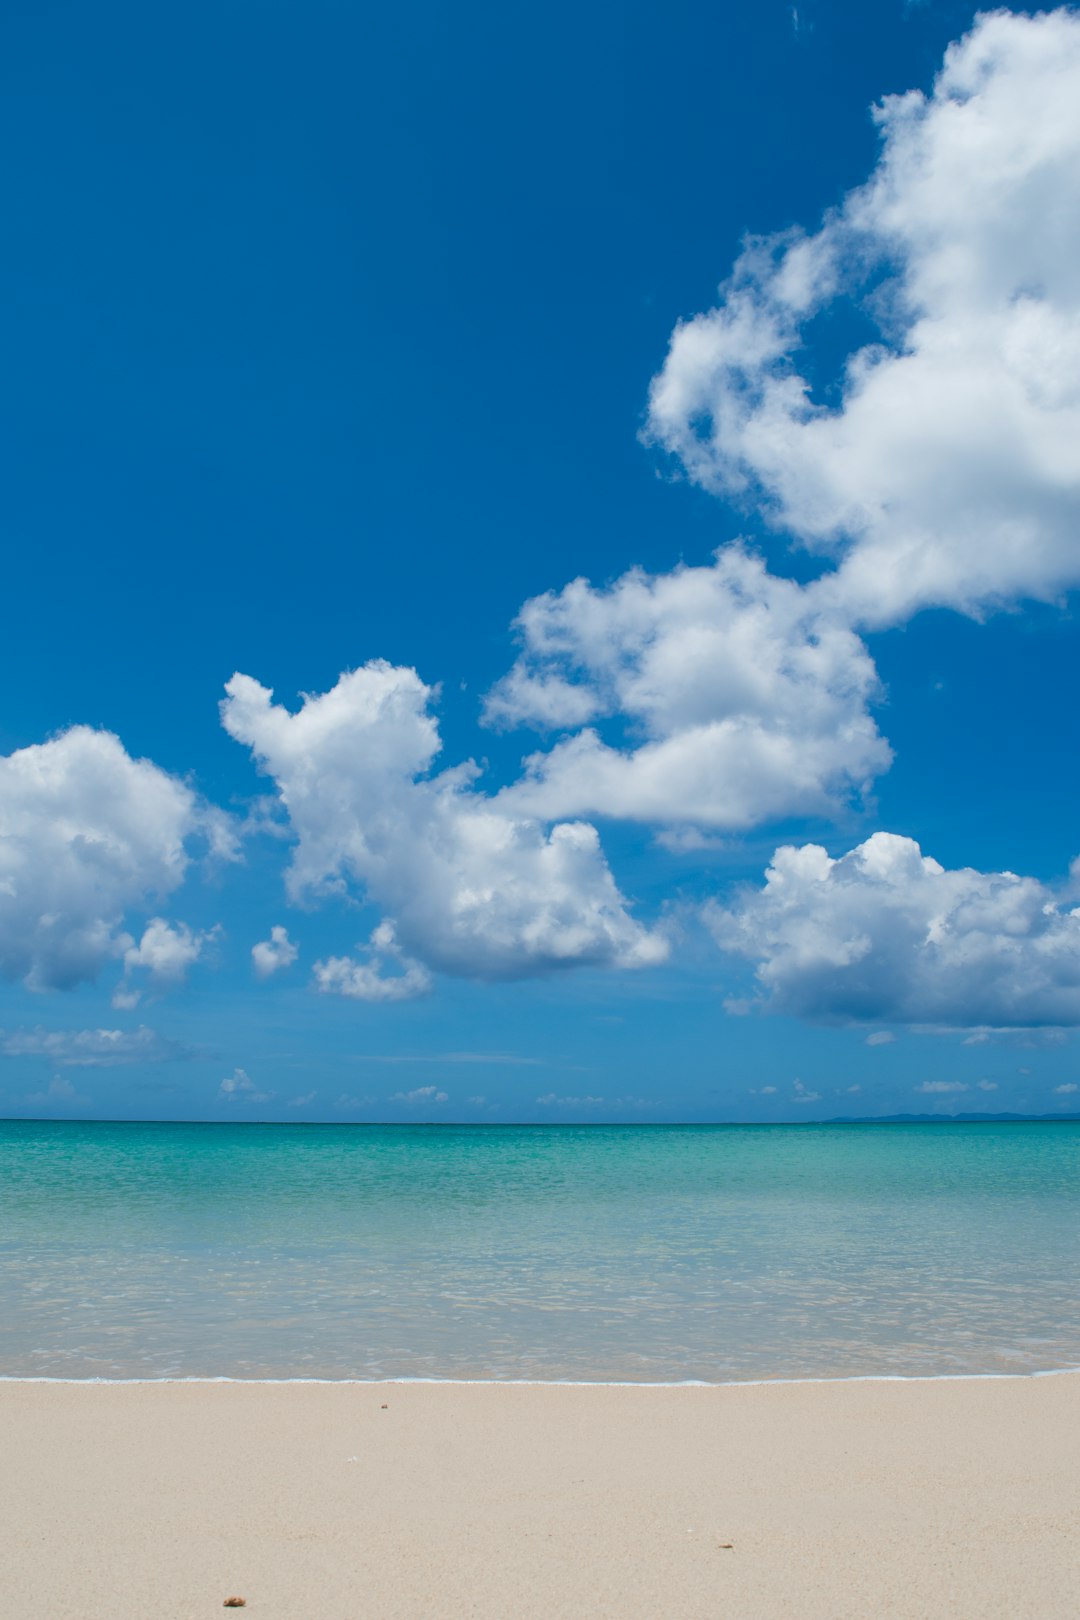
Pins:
x: 958, y: 1498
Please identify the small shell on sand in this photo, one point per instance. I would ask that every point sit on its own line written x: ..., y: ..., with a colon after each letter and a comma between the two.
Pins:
x: 235, y: 1603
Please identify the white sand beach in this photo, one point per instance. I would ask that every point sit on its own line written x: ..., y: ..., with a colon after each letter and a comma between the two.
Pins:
x: 955, y: 1498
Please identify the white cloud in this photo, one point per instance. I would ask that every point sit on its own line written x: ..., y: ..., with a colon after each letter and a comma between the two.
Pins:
x: 368, y: 980
x: 165, y: 952
x: 745, y: 697
x: 240, y: 1087
x: 803, y: 1094
x: 550, y: 1100
x: 880, y: 1037
x: 987, y: 1085
x: 422, y: 1094
x: 887, y: 933
x: 88, y: 834
x: 1067, y: 1089
x: 269, y: 956
x: 469, y: 888
x: 941, y: 1087
x: 588, y: 1104
x: 92, y: 1048
x: 948, y: 471
x: 302, y: 1102
x: 768, y: 1091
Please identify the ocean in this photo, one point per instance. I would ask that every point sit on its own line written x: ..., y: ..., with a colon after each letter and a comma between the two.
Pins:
x: 638, y: 1253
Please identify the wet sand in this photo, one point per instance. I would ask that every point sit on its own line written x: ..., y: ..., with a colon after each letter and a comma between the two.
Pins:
x: 372, y: 1502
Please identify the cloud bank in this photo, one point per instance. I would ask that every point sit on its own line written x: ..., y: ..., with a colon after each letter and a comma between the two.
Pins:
x: 92, y: 1048
x: 886, y: 934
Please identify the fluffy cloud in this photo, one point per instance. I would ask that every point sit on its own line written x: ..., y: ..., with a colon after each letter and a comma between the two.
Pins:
x: 368, y: 979
x: 886, y: 933
x: 165, y: 952
x: 948, y: 470
x: 469, y: 887
x: 92, y: 1048
x: 422, y: 1094
x: 745, y: 699
x: 269, y: 956
x: 240, y: 1087
x: 88, y: 834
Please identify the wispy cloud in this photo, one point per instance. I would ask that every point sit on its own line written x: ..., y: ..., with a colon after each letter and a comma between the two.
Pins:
x: 448, y: 1057
x: 609, y: 1104
x: 92, y: 1048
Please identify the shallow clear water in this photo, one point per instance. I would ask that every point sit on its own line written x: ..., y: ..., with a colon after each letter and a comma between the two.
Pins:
x: 633, y: 1252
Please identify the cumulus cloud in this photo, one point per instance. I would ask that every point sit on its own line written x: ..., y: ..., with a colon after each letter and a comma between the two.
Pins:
x: 947, y: 468
x: 1067, y: 1089
x: 92, y: 1048
x: 935, y: 1088
x: 468, y: 887
x: 887, y: 933
x: 87, y: 835
x: 384, y: 973
x: 422, y: 1094
x: 745, y: 698
x: 269, y: 956
x: 165, y: 952
x: 240, y: 1087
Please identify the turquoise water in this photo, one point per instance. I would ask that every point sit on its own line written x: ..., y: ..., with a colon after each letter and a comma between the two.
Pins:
x: 635, y: 1253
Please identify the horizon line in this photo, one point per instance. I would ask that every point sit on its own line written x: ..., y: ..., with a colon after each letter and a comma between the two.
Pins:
x: 1004, y: 1118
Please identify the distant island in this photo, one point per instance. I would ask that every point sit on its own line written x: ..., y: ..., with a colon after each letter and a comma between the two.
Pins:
x: 954, y: 1119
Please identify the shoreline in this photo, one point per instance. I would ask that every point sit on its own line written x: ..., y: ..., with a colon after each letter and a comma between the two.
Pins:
x: 405, y: 1381
x: 418, y: 1500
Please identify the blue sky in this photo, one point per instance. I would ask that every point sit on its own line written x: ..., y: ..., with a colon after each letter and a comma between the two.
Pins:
x: 334, y: 335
